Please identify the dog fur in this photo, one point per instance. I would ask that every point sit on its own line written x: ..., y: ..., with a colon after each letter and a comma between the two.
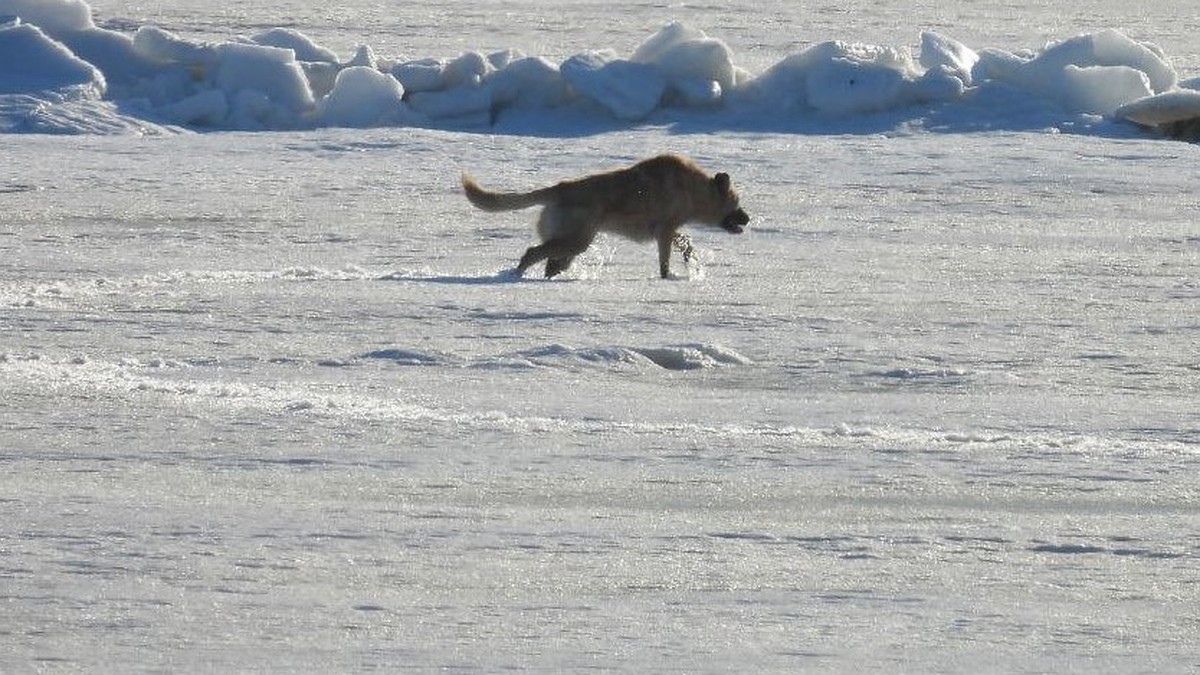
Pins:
x: 649, y: 201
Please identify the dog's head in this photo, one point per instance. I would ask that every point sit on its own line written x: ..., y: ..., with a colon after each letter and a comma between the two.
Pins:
x: 733, y: 217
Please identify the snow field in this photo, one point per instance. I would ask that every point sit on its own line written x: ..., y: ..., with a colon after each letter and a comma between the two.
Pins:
x: 272, y: 401
x: 276, y: 402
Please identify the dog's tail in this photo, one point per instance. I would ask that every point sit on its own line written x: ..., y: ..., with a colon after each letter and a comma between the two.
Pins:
x: 501, y: 201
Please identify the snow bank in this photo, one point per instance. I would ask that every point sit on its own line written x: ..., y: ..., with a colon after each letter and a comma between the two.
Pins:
x: 839, y: 78
x: 1090, y: 73
x: 52, y: 55
x: 30, y: 61
x: 53, y: 16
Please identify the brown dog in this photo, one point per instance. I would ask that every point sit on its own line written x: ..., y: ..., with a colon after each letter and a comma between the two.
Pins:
x: 650, y: 200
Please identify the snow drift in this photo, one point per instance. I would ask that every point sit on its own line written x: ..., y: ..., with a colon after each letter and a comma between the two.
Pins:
x: 59, y: 72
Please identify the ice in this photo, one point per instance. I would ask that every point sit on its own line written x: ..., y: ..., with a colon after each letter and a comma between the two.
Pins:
x: 699, y: 69
x: 273, y: 398
x: 54, y: 16
x: 1090, y: 73
x: 628, y: 90
x: 207, y: 108
x: 529, y: 82
x: 852, y: 78
x: 955, y: 58
x: 165, y: 48
x: 362, y: 97
x: 1171, y: 106
x: 300, y: 44
x: 276, y: 406
x: 279, y: 78
x: 32, y: 62
x: 265, y: 85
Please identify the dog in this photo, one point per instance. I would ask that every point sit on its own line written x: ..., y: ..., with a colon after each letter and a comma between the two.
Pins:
x: 649, y: 201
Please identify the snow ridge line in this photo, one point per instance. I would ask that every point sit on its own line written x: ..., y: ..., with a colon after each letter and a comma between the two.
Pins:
x: 100, y: 379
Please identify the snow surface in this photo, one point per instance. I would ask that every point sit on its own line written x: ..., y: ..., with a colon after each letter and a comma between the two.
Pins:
x: 275, y: 402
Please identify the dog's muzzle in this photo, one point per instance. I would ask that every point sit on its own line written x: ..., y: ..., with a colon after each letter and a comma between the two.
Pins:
x: 736, y: 221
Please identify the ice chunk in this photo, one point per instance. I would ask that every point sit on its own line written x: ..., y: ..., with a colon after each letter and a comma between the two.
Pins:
x: 364, y: 56
x: 321, y: 77
x: 862, y: 78
x: 940, y: 52
x: 468, y: 69
x: 363, y: 97
x: 687, y: 55
x: 840, y: 78
x: 208, y: 108
x: 265, y: 83
x: 529, y: 82
x: 939, y: 84
x: 1094, y: 73
x: 1165, y: 108
x: 303, y: 47
x: 504, y: 58
x: 1109, y: 48
x: 1101, y: 89
x: 30, y: 61
x: 421, y: 75
x: 162, y: 46
x: 628, y: 90
x: 55, y: 17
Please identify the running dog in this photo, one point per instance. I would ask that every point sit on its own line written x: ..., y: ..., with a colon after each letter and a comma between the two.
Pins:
x: 650, y: 200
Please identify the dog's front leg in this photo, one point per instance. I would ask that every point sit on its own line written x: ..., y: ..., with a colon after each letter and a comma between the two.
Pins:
x: 683, y: 244
x: 664, y: 253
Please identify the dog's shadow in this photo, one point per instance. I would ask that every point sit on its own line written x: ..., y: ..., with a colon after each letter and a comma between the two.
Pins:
x: 501, y: 277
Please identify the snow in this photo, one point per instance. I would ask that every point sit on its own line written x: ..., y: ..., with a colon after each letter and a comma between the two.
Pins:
x: 58, y: 69
x: 280, y: 79
x: 54, y: 16
x: 1089, y: 73
x: 273, y: 399
x: 1171, y: 106
x: 362, y: 96
x: 628, y: 90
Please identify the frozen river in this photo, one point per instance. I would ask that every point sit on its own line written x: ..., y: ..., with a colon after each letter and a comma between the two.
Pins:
x: 271, y: 402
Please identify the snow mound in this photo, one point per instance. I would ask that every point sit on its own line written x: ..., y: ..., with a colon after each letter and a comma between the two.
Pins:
x: 1094, y: 73
x: 841, y: 78
x: 628, y: 90
x: 939, y: 52
x: 30, y: 61
x: 363, y: 97
x: 53, y: 16
x: 679, y: 357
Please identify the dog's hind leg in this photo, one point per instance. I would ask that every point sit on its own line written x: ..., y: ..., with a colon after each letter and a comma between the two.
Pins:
x: 556, y: 266
x: 558, y: 253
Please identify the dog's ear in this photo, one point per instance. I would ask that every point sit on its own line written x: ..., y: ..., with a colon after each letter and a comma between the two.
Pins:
x: 721, y: 181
